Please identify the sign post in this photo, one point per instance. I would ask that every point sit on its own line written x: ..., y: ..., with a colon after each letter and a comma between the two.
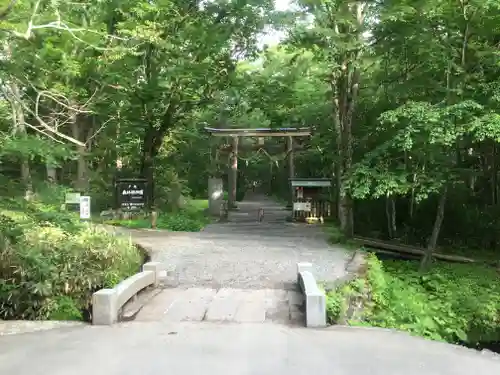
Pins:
x: 72, y: 198
x: 84, y: 207
x: 72, y: 201
x: 131, y: 194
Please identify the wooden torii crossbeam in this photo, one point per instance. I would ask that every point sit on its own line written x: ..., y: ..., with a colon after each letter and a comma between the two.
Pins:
x: 260, y: 132
x: 289, y: 133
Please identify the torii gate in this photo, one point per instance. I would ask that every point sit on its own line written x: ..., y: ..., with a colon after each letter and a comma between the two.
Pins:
x: 215, y: 189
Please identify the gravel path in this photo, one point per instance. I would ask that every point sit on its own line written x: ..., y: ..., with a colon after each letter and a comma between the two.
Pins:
x: 244, y: 253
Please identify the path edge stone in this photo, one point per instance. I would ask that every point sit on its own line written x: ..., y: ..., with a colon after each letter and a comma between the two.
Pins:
x: 107, y: 304
x: 315, y: 298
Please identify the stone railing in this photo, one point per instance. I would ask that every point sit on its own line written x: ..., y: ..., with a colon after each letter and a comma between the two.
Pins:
x: 315, y: 298
x: 107, y: 304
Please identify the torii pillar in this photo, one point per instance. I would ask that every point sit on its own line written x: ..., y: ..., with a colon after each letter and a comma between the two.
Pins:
x: 215, y: 187
x: 233, y: 174
x: 291, y: 168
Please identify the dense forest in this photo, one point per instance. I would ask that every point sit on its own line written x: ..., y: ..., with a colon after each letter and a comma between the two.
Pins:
x: 403, y: 98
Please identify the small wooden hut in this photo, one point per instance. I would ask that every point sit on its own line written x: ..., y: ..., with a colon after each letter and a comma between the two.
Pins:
x: 311, y: 199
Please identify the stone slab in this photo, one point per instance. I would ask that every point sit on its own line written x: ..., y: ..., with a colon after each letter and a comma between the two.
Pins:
x: 224, y: 306
x: 215, y: 195
x: 104, y: 307
x: 315, y: 310
x: 157, y: 269
x: 252, y: 307
x: 132, y: 308
x: 315, y: 300
x: 304, y: 266
x: 191, y: 305
x: 129, y: 287
x: 155, y: 310
x: 295, y: 298
x: 178, y: 305
x: 275, y: 297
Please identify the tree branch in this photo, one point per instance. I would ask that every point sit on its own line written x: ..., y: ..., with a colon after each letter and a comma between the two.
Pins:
x: 58, y: 25
x: 4, y: 13
x: 35, y: 113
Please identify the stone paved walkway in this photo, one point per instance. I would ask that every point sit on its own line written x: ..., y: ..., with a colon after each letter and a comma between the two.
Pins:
x: 244, y: 253
x: 240, y: 271
x: 225, y: 305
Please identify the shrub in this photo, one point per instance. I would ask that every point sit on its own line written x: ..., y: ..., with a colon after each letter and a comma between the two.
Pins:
x: 10, y: 230
x: 457, y: 303
x: 50, y: 264
x: 174, y: 221
x: 182, y: 222
x: 192, y: 218
x: 335, y: 235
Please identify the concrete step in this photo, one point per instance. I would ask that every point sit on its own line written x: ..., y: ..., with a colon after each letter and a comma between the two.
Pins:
x: 225, y: 305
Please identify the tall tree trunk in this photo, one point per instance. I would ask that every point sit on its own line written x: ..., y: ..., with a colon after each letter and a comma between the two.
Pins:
x: 151, y: 144
x: 412, y: 198
x: 390, y: 212
x: 147, y: 164
x: 345, y: 87
x: 344, y: 204
x: 19, y: 129
x: 153, y: 138
x: 27, y: 181
x: 82, y: 170
x: 438, y: 221
x: 345, y: 110
x: 337, y: 164
x: 51, y: 173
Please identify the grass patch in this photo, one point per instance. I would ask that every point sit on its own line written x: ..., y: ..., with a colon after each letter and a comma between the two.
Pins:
x: 191, y: 218
x: 336, y: 237
x: 456, y: 303
x: 198, y: 205
x: 51, y: 262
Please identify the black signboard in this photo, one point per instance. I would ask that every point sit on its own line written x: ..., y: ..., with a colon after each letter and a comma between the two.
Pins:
x: 131, y: 194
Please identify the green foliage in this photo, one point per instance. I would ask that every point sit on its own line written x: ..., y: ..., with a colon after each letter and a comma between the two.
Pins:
x: 453, y: 302
x: 49, y: 266
x: 183, y: 222
x: 334, y: 306
x: 64, y: 308
x: 335, y: 235
x: 11, y: 230
x: 45, y: 210
x: 192, y: 218
x: 34, y: 147
x: 137, y: 82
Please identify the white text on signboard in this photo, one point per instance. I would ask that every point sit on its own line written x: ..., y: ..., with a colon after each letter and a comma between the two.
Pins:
x: 133, y: 192
x: 84, y: 207
x: 302, y: 206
